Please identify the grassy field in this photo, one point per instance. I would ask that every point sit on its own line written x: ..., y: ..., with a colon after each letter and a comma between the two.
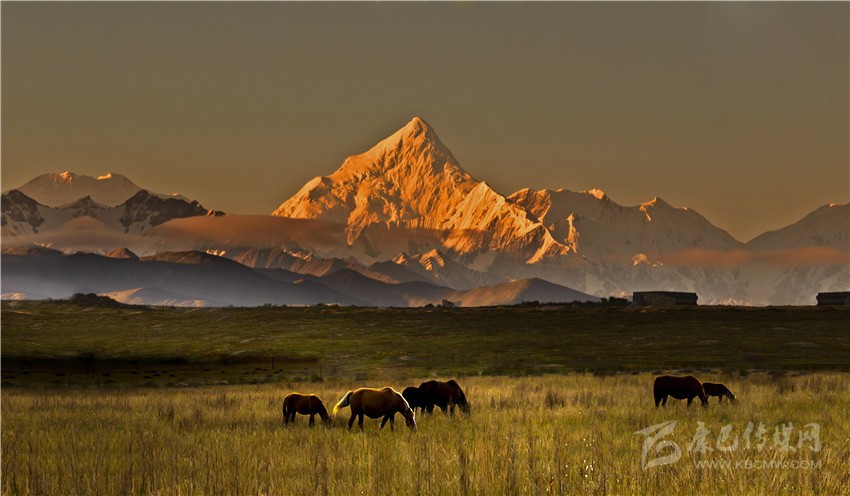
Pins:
x: 551, y: 434
x: 64, y: 344
x: 187, y: 401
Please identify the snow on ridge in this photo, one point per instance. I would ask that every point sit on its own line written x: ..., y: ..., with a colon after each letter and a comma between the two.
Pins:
x: 54, y: 189
x: 598, y: 193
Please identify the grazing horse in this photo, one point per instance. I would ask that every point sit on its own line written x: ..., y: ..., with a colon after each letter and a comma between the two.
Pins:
x: 678, y: 387
x: 305, y: 404
x: 376, y: 403
x: 444, y: 395
x: 713, y: 389
x: 415, y: 398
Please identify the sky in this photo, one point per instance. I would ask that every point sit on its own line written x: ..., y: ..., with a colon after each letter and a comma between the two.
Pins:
x: 737, y: 110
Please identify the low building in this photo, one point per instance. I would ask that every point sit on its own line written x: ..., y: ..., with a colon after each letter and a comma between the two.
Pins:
x: 663, y: 298
x: 834, y: 298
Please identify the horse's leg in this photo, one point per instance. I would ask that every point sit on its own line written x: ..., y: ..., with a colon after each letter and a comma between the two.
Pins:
x: 721, y: 399
x: 392, y: 422
x: 664, y: 401
x: 351, y: 420
x: 383, y: 422
x: 312, y: 419
x: 360, y: 420
x: 690, y: 399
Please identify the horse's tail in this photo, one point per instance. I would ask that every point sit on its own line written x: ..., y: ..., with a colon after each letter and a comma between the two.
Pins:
x: 344, y: 402
x: 284, y: 407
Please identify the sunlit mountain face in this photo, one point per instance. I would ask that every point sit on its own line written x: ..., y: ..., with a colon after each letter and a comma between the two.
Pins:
x: 405, y: 215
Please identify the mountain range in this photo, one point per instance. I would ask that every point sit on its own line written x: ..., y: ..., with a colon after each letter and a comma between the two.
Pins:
x: 56, y: 189
x: 405, y: 214
x: 200, y: 279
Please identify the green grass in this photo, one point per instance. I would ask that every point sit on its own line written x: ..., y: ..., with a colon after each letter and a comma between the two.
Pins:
x: 540, y: 423
x: 551, y: 434
x: 65, y: 344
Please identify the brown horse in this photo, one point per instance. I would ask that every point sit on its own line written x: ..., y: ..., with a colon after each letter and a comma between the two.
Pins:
x: 305, y: 404
x: 713, y: 389
x: 376, y: 403
x: 678, y: 387
x: 415, y: 398
x: 444, y: 395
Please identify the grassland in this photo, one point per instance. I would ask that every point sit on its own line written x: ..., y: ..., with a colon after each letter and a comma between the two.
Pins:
x: 64, y: 344
x: 552, y: 434
x: 558, y: 394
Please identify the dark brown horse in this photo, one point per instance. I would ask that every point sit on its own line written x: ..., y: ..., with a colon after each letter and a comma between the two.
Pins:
x: 678, y: 387
x: 305, y: 404
x: 714, y: 389
x: 444, y: 395
x: 376, y: 403
x: 415, y: 398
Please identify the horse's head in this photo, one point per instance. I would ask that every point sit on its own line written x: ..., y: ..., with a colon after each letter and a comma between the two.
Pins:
x: 462, y: 403
x: 731, y: 396
x: 408, y: 413
x: 403, y: 407
x: 703, y: 398
x: 323, y: 413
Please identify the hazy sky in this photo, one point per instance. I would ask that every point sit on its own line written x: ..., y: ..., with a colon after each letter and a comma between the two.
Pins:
x: 737, y: 110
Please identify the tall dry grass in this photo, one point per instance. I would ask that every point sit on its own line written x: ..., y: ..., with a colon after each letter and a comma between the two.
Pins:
x: 569, y: 434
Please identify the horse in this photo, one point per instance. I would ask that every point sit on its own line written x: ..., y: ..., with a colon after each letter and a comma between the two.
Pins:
x: 376, y: 403
x: 415, y: 398
x: 444, y: 395
x: 678, y: 387
x: 305, y: 404
x: 713, y: 389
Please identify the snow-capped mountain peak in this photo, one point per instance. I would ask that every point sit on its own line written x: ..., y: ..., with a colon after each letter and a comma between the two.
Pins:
x: 57, y: 189
x: 827, y: 226
x: 415, y: 148
x: 411, y: 180
x: 407, y: 178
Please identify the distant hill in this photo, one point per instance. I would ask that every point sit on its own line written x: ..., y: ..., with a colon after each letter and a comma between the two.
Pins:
x: 190, y: 276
